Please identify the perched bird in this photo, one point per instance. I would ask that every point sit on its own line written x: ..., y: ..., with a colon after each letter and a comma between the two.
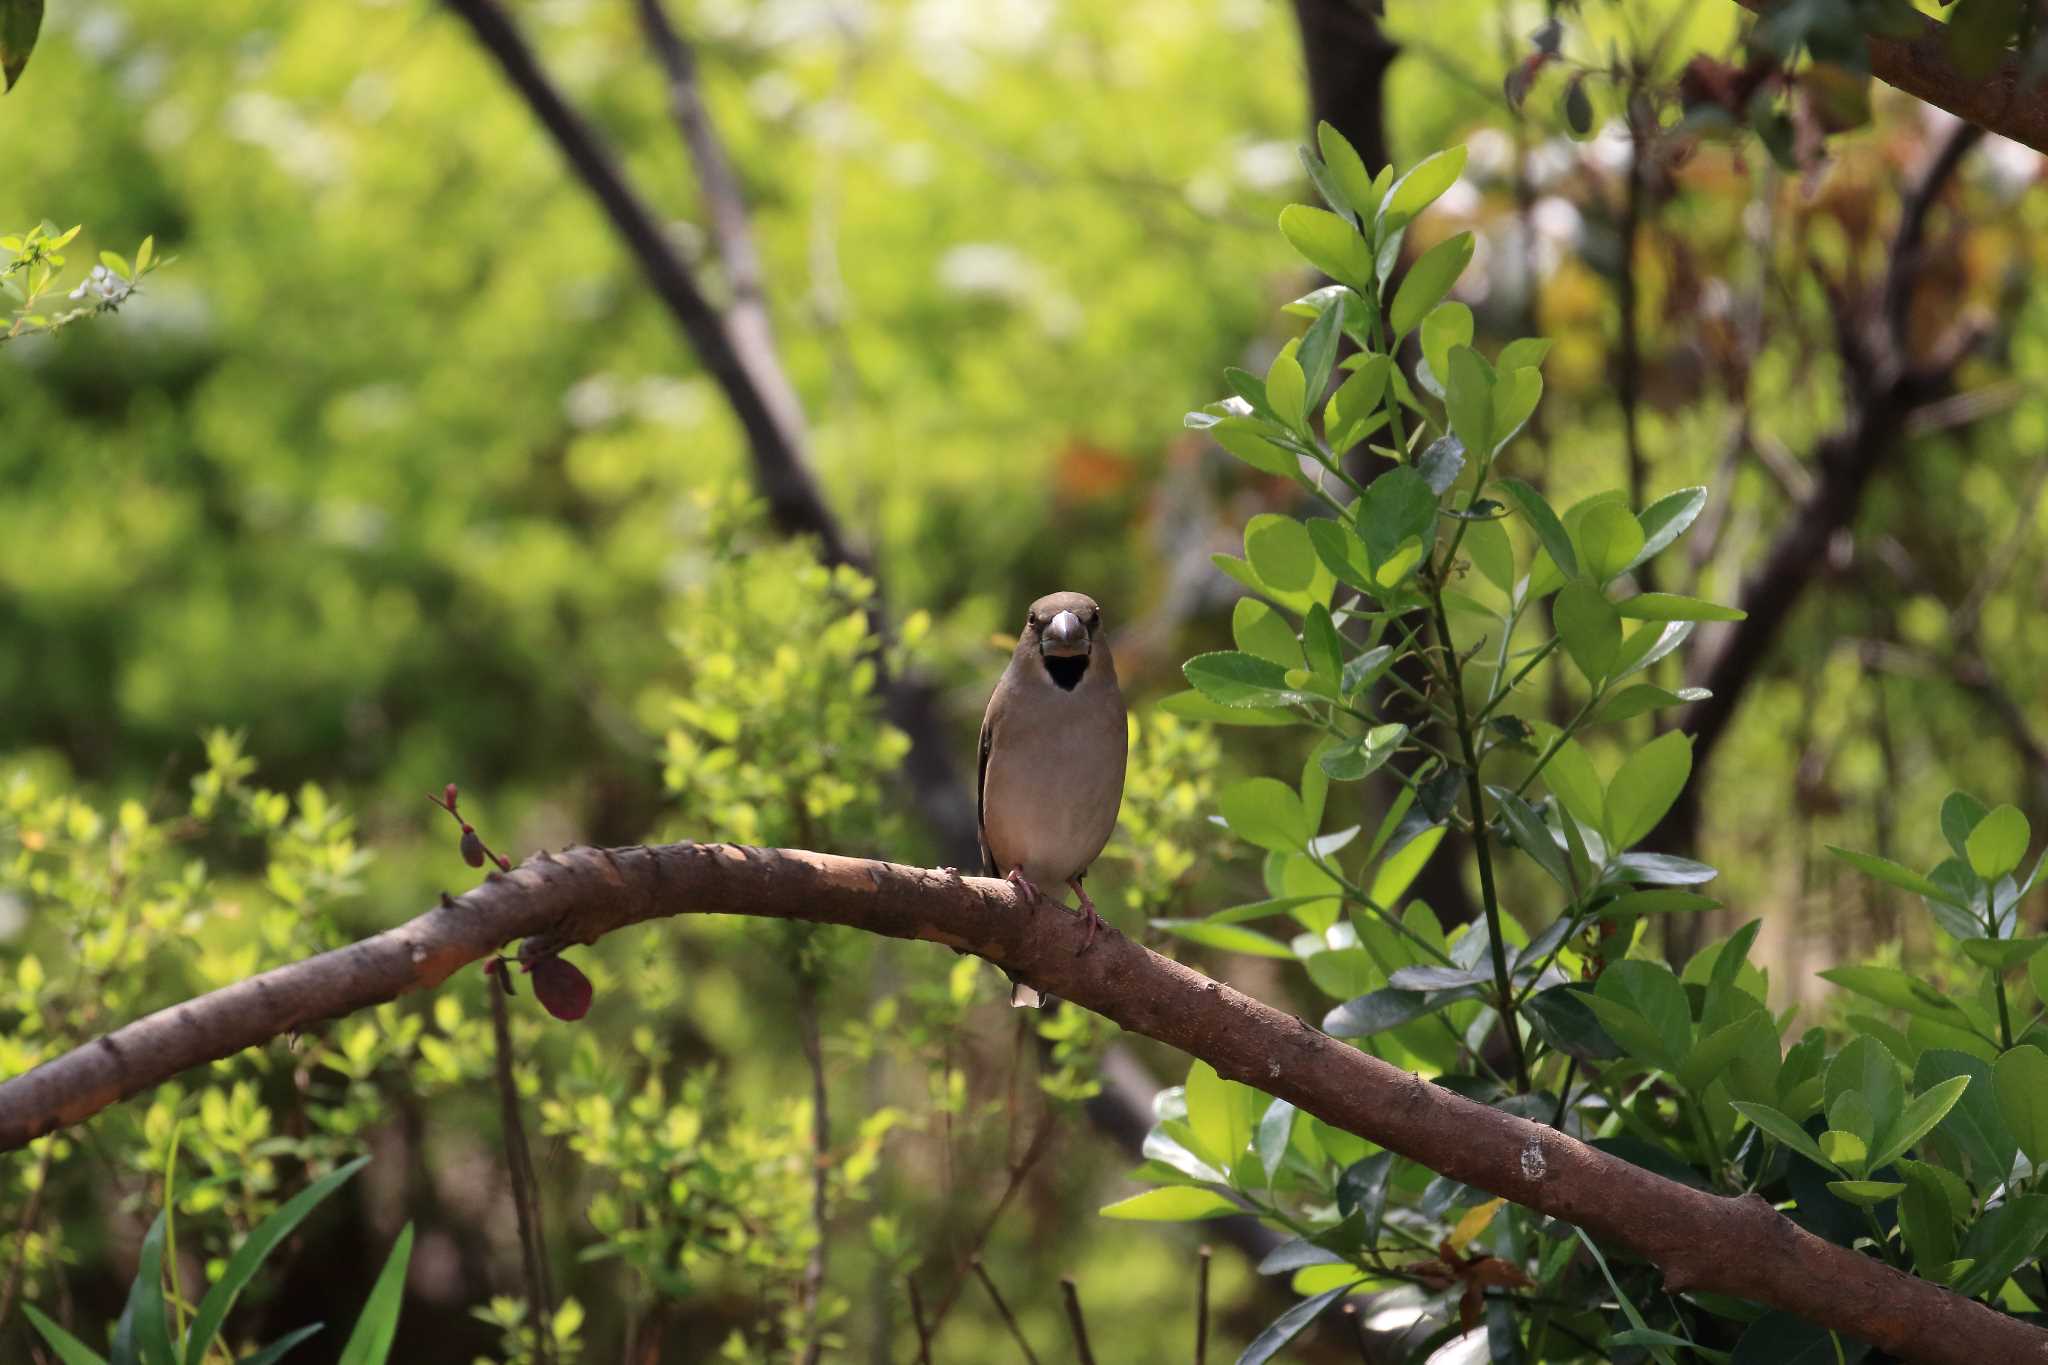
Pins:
x: 1052, y: 757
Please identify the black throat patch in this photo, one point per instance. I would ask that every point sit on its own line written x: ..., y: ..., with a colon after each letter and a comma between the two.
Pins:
x: 1066, y: 669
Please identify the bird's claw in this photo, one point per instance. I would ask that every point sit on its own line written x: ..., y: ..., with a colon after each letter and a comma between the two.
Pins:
x: 1093, y: 919
x: 1024, y: 884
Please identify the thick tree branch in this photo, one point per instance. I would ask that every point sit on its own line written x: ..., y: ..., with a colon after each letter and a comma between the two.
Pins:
x: 1921, y: 66
x: 1702, y: 1242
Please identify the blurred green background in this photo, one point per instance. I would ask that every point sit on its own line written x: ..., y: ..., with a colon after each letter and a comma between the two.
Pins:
x: 400, y: 471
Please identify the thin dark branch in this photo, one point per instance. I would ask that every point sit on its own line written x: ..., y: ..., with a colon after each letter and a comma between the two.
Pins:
x: 1911, y: 236
x: 1075, y: 1321
x: 540, y: 1293
x: 1701, y: 1241
x: 1202, y: 1307
x: 1041, y: 1138
x: 821, y: 1170
x: 924, y: 1333
x: 30, y: 1212
x: 1009, y: 1318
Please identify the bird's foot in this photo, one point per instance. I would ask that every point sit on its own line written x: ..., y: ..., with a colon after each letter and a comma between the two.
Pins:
x: 1016, y: 878
x: 1088, y: 912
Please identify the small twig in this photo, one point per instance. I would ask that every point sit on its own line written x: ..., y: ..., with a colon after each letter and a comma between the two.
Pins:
x: 821, y: 1141
x: 474, y: 849
x: 1202, y: 1308
x: 924, y: 1333
x: 29, y: 1214
x: 525, y: 1192
x: 1018, y: 1171
x: 1073, y: 1297
x: 1009, y: 1318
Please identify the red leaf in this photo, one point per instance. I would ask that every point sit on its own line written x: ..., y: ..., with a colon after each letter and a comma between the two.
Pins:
x: 562, y: 989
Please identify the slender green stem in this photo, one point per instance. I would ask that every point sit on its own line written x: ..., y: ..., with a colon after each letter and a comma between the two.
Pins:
x: 1550, y: 750
x: 1543, y: 651
x: 2004, y: 1013
x: 1489, y: 895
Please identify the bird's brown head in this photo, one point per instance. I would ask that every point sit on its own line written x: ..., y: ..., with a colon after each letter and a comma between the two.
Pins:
x: 1062, y: 628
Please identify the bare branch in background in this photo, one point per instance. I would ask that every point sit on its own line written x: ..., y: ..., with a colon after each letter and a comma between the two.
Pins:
x: 1884, y: 384
x: 1702, y: 1242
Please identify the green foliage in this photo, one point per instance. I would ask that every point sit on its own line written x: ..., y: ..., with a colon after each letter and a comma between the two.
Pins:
x: 145, y: 1334
x: 35, y: 261
x: 1686, y: 1073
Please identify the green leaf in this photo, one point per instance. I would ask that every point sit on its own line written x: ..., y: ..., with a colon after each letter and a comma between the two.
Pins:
x: 1561, y: 1016
x: 1641, y: 699
x: 249, y: 1257
x: 1532, y: 836
x: 1866, y: 1194
x: 1220, y: 1114
x: 1329, y: 244
x: 278, y: 1349
x: 1171, y: 1204
x: 1232, y: 938
x: 1323, y: 646
x: 1714, y: 1053
x: 1975, y: 1123
x: 1189, y: 704
x: 1276, y: 1127
x: 1590, y: 629
x: 1289, y: 1325
x: 1388, y: 1008
x: 1347, y: 172
x: 142, y: 1335
x: 1924, y: 1218
x: 1652, y: 991
x: 2000, y: 1242
x: 1610, y: 538
x: 1266, y: 812
x: 20, y: 20
x: 1318, y: 351
x: 1400, y: 869
x: 1259, y: 629
x: 1901, y: 990
x: 1666, y: 519
x: 1492, y: 552
x: 1884, y: 869
x: 1782, y: 1128
x: 1362, y: 1189
x: 1549, y: 530
x: 1230, y: 678
x: 1353, y: 408
x: 1244, y: 438
x: 1280, y: 552
x: 1844, y: 1150
x: 1428, y: 280
x: 1866, y: 1071
x: 1779, y: 1338
x: 1468, y: 397
x: 2021, y: 1079
x: 1577, y: 786
x: 1398, y: 506
x: 1997, y: 844
x: 1663, y: 901
x: 1441, y: 463
x: 1418, y: 189
x: 1960, y: 813
x: 1515, y: 396
x: 1363, y: 670
x: 2002, y: 954
x: 1361, y: 755
x: 70, y: 1350
x: 1646, y: 787
x: 1448, y: 324
x: 1667, y: 606
x: 1918, y: 1119
x: 1287, y: 389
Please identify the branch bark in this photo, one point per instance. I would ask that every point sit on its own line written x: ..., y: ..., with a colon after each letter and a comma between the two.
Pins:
x: 1998, y: 101
x: 1701, y: 1241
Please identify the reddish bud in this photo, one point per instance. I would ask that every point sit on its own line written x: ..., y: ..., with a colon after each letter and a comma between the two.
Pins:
x: 504, y: 863
x: 472, y: 847
x: 448, y: 796
x: 562, y: 989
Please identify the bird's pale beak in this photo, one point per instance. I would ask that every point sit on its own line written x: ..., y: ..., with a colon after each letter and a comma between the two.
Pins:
x: 1064, y: 637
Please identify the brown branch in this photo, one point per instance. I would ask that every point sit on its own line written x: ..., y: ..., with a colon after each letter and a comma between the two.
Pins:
x: 1884, y: 384
x: 1921, y: 66
x: 1003, y: 1309
x: 1703, y: 1242
x: 1082, y: 1352
x: 533, y: 1252
x: 924, y: 1333
x: 821, y: 1170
